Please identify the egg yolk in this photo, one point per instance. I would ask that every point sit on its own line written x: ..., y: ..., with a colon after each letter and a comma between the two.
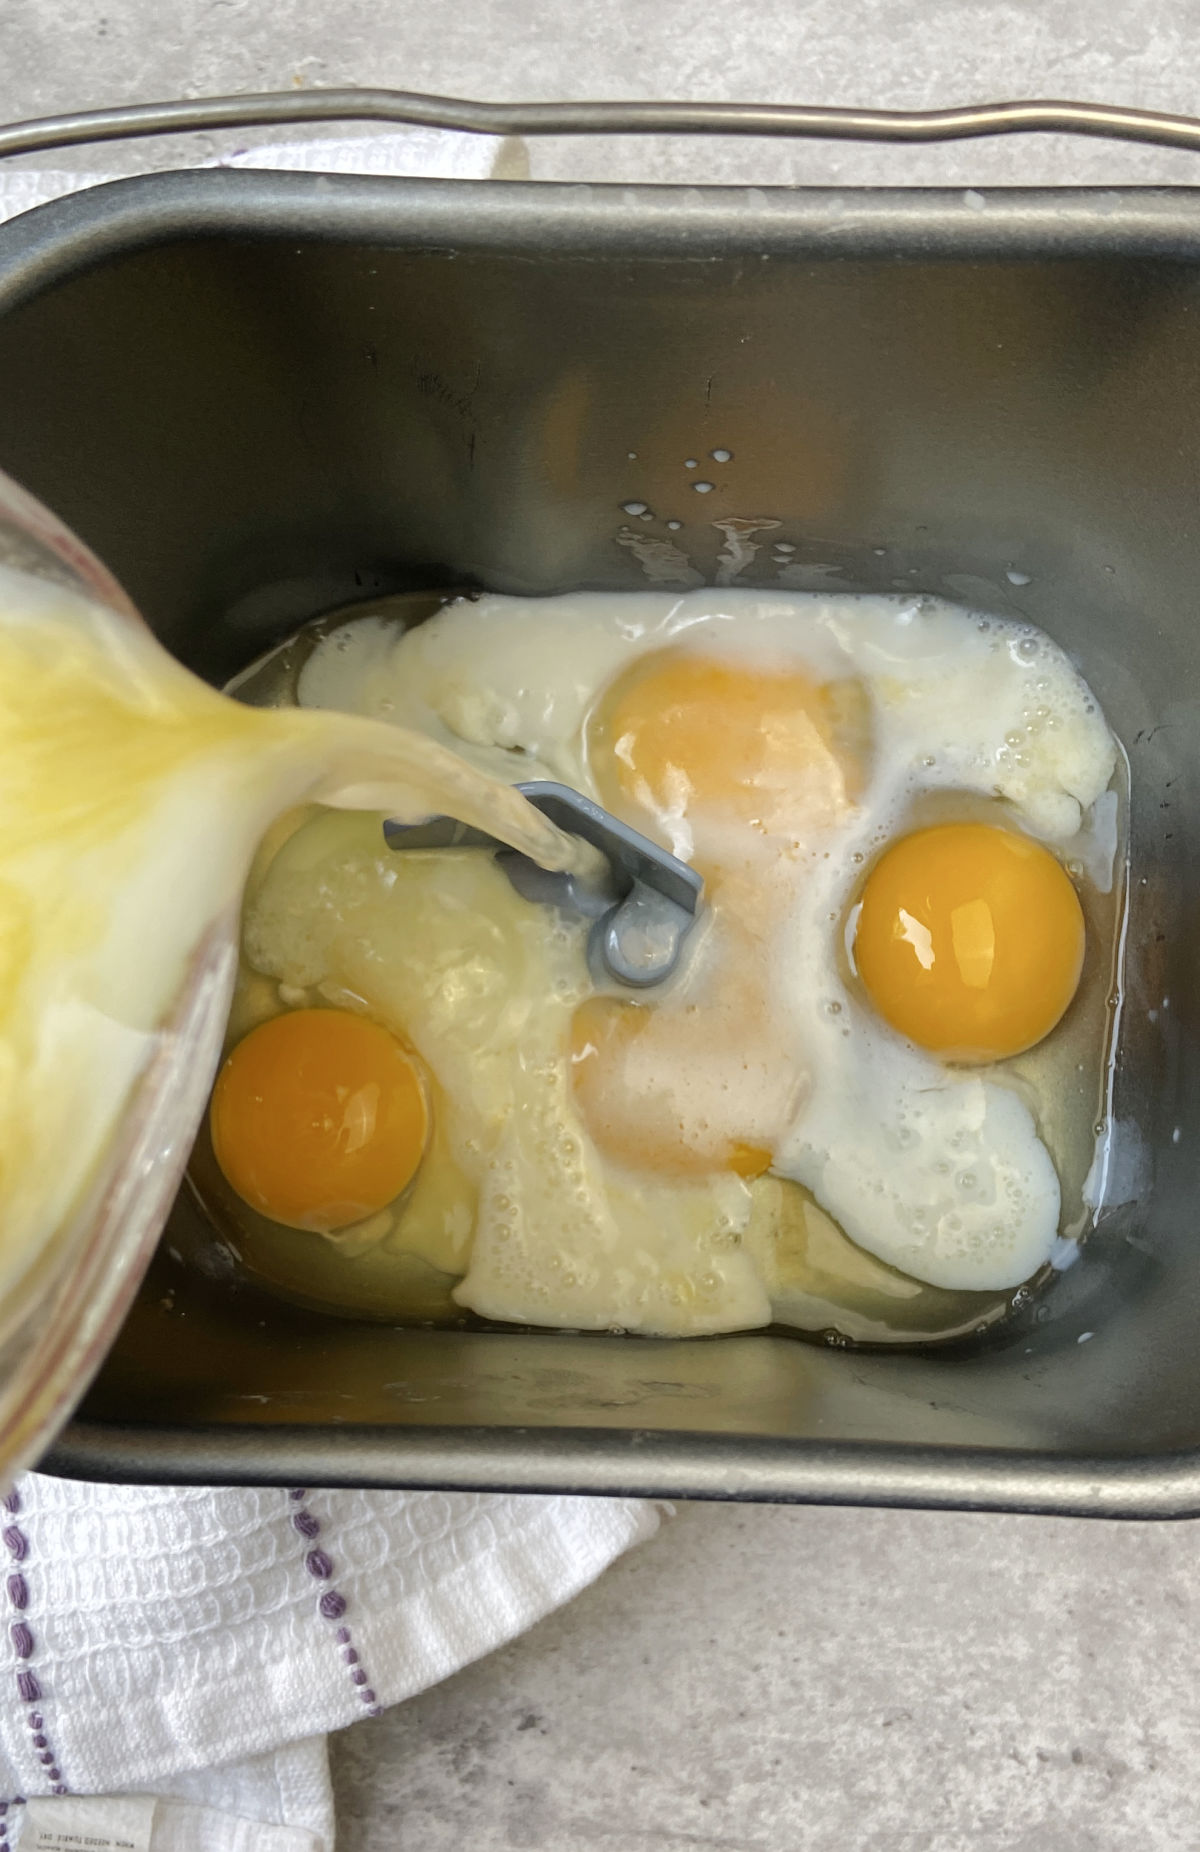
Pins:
x: 712, y: 755
x: 624, y: 1057
x: 970, y: 940
x: 319, y: 1119
x: 680, y: 732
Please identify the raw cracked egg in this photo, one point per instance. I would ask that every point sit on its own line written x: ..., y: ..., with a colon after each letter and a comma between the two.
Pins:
x: 970, y: 940
x: 886, y: 797
x: 511, y: 1191
x: 692, y: 741
x: 319, y: 1119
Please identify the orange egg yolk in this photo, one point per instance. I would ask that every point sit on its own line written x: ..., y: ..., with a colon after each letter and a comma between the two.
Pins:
x: 319, y: 1119
x: 718, y: 759
x: 681, y: 735
x: 970, y: 940
x: 652, y: 1088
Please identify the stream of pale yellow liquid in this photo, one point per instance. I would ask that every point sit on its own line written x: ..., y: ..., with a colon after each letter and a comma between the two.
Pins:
x: 132, y: 797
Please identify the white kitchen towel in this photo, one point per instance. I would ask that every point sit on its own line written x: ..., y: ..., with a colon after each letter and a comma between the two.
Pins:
x: 187, y: 1641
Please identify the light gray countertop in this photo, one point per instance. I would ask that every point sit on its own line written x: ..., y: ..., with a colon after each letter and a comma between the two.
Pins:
x: 769, y: 1678
x: 755, y: 1677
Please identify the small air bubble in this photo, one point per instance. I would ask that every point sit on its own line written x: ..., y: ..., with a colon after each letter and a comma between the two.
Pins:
x: 690, y: 463
x: 833, y: 1008
x: 721, y: 456
x: 634, y: 508
x: 1019, y: 578
x: 632, y: 455
x: 674, y: 526
x: 858, y: 856
x: 879, y: 552
x: 702, y: 488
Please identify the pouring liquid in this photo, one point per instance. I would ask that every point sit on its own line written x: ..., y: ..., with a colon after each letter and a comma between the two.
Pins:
x: 132, y: 798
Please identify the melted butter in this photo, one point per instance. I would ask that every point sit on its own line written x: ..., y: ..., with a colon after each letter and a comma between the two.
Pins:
x: 131, y: 799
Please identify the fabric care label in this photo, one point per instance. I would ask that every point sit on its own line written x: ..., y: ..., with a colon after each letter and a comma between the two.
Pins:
x: 87, y: 1823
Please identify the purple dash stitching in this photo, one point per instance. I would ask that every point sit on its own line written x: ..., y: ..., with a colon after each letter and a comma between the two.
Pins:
x: 18, y: 1800
x: 331, y: 1604
x: 24, y: 1645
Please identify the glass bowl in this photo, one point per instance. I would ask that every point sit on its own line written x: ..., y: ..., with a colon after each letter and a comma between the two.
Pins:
x: 60, y: 1318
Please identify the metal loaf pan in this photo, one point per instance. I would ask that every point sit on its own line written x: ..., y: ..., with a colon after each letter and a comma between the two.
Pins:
x: 261, y: 396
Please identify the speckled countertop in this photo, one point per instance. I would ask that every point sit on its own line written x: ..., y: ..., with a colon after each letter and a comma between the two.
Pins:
x: 756, y: 1677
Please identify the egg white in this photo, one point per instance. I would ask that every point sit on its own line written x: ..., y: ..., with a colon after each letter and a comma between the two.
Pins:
x: 482, y: 985
x: 940, y: 1174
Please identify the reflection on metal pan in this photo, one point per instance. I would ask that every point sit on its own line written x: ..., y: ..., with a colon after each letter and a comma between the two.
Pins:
x: 802, y: 120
